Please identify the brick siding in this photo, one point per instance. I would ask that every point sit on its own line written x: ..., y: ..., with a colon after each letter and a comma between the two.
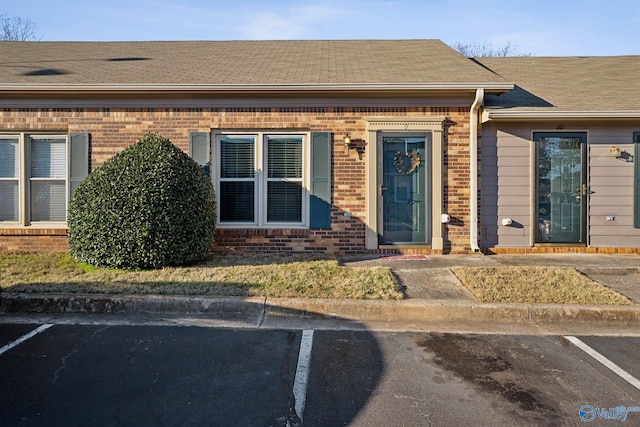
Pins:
x: 113, y: 129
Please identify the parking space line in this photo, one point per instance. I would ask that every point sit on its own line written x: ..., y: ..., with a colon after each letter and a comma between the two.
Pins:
x: 606, y: 362
x: 302, y: 372
x: 25, y: 337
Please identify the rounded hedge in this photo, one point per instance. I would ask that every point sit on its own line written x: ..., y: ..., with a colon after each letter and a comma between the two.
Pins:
x: 149, y: 206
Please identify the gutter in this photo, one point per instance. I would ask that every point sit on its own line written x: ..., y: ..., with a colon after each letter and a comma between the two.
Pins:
x: 488, y: 115
x: 278, y: 87
x: 473, y: 169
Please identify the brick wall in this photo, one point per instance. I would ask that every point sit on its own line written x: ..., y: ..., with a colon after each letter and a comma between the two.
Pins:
x: 114, y: 129
x: 33, y: 240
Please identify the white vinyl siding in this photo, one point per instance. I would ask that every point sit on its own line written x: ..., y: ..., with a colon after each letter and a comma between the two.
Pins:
x: 507, y: 184
x: 506, y: 187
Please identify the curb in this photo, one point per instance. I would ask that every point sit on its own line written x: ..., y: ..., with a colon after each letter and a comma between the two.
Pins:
x: 257, y: 308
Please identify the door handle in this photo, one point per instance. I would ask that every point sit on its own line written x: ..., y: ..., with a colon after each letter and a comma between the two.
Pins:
x: 585, y: 190
x: 381, y: 190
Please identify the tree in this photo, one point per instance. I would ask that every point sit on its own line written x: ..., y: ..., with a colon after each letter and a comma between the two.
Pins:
x: 17, y: 29
x: 485, y: 49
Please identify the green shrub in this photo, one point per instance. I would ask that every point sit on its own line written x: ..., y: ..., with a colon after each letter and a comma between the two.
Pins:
x: 149, y: 206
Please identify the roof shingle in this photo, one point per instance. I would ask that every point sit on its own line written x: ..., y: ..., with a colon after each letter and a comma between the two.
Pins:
x: 606, y: 83
x: 316, y: 62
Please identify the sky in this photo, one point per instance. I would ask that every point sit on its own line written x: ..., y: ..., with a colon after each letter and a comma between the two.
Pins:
x: 538, y: 27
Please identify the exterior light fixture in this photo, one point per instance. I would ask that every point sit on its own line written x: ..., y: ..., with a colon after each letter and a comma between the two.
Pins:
x: 347, y: 142
x: 357, y: 144
x: 614, y: 150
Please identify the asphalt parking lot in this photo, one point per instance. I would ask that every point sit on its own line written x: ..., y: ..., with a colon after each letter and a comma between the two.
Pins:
x: 95, y: 375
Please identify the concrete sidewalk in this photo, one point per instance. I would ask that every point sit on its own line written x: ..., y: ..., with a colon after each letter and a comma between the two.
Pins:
x: 429, y: 277
x: 434, y: 295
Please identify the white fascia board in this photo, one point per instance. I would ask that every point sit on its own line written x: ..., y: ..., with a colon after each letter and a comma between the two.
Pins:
x: 488, y: 115
x: 18, y: 87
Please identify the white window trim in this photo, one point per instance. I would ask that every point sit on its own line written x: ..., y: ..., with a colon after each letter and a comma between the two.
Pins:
x: 24, y: 180
x: 260, y: 160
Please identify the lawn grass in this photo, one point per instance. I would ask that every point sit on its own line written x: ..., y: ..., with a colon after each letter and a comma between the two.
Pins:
x: 535, y: 285
x: 269, y: 275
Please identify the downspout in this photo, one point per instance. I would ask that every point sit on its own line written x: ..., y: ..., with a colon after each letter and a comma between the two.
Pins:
x: 473, y: 169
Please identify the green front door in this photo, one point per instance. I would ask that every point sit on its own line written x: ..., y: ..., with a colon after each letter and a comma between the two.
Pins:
x: 404, y: 190
x: 561, y: 187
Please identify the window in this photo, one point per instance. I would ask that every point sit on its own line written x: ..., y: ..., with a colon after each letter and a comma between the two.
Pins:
x: 48, y: 178
x: 262, y: 179
x: 9, y: 178
x: 37, y: 177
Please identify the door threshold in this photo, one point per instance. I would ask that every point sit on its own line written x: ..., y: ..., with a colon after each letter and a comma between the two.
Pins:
x: 559, y: 245
x: 404, y: 246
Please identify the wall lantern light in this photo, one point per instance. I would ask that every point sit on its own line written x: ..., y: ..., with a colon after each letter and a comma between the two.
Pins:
x: 354, y: 144
x: 614, y: 150
x: 347, y: 142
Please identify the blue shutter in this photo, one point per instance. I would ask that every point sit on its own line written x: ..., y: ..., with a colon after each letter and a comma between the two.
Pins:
x: 200, y: 150
x: 78, y: 160
x: 320, y: 204
x: 636, y: 180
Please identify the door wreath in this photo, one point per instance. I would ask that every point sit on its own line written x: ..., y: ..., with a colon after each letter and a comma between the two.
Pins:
x: 407, y: 162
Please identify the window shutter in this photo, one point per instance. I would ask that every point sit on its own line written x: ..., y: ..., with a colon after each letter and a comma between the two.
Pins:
x: 636, y: 180
x: 78, y: 160
x: 200, y: 150
x: 320, y: 204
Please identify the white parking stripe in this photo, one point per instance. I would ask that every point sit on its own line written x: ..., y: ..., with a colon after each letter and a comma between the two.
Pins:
x: 302, y: 372
x: 25, y: 337
x: 606, y: 362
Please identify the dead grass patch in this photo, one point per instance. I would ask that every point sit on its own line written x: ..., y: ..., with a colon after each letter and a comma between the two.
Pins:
x: 535, y: 285
x: 270, y: 275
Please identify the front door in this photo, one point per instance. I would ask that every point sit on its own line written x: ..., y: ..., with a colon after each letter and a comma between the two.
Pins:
x: 561, y: 187
x: 405, y: 189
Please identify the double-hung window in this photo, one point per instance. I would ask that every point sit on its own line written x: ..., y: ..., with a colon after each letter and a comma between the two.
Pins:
x: 48, y: 178
x: 262, y: 179
x: 9, y: 178
x: 37, y: 176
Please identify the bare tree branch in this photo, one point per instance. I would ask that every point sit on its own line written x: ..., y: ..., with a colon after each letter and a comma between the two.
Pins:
x: 17, y: 29
x: 484, y: 49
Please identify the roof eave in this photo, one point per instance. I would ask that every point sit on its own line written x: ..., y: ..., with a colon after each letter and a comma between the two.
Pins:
x: 491, y: 87
x: 505, y: 115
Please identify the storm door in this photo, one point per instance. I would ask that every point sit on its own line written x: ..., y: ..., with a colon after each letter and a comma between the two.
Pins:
x: 404, y: 189
x: 561, y: 187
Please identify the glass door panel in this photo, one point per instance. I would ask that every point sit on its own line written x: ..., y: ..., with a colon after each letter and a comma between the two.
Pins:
x: 405, y: 191
x: 561, y: 187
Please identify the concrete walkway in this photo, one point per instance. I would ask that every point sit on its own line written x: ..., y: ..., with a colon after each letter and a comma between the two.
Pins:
x: 429, y: 277
x: 433, y: 296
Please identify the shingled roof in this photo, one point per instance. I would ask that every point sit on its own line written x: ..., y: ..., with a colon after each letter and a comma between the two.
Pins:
x: 570, y: 86
x: 243, y: 65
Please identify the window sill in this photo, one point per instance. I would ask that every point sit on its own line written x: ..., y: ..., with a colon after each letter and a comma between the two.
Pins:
x: 262, y: 231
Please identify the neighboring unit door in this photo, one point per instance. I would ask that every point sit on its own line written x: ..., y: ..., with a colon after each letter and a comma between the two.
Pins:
x: 561, y: 187
x: 404, y: 190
